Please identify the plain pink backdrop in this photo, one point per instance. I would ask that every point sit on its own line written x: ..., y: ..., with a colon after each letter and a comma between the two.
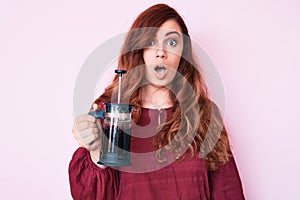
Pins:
x: 254, y: 45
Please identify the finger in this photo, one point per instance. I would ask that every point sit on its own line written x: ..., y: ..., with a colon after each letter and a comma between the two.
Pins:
x: 95, y: 107
x: 87, y: 141
x: 95, y: 145
x: 85, y: 125
x: 90, y: 139
x: 85, y: 117
x: 88, y: 132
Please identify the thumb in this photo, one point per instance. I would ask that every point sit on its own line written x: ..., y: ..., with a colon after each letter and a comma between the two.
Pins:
x: 95, y: 107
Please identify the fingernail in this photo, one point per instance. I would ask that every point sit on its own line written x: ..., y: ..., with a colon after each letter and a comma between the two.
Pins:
x: 95, y: 106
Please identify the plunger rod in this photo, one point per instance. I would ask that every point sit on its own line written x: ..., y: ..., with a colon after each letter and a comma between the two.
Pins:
x: 120, y: 73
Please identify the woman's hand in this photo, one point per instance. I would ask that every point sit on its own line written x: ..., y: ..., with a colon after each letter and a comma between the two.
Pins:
x: 86, y: 132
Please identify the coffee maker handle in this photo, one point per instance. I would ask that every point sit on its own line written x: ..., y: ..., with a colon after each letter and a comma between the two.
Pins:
x: 98, y: 114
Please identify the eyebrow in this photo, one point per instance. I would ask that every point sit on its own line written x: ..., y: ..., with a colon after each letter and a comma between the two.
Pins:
x: 172, y: 32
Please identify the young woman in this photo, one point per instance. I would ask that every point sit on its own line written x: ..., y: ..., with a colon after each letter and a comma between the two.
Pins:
x: 176, y: 127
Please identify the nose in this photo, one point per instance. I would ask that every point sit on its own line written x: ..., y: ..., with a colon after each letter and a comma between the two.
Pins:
x: 160, y: 53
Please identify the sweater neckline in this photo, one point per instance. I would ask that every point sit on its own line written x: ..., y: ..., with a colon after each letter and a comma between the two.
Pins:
x: 166, y: 109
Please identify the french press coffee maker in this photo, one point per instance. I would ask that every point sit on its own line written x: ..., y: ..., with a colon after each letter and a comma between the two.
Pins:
x: 116, y: 126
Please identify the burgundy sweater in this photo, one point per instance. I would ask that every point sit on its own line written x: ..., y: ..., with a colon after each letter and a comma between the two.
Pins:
x: 148, y: 179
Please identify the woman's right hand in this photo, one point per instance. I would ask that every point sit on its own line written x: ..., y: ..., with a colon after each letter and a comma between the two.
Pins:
x: 86, y: 132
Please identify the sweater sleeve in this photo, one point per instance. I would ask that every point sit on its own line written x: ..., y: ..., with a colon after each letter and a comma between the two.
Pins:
x: 225, y: 182
x: 88, y: 181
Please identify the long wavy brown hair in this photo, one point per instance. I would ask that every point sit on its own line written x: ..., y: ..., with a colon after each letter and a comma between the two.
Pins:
x: 196, y: 122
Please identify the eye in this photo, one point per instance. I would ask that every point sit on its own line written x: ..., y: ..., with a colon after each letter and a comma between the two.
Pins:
x: 151, y: 43
x: 172, y: 42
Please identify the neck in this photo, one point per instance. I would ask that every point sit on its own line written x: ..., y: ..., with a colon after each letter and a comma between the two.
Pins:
x: 156, y: 97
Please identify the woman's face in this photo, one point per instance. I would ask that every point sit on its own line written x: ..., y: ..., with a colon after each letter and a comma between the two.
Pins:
x: 163, y: 55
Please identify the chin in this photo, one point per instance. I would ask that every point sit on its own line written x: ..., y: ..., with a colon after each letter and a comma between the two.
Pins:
x: 160, y: 83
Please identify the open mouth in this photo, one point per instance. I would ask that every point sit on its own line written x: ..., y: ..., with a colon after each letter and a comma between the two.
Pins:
x: 160, y: 69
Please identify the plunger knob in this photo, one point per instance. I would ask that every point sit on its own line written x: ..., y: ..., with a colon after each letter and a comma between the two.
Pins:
x: 120, y: 72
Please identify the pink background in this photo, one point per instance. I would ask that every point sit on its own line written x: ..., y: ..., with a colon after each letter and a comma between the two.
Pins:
x: 253, y: 44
